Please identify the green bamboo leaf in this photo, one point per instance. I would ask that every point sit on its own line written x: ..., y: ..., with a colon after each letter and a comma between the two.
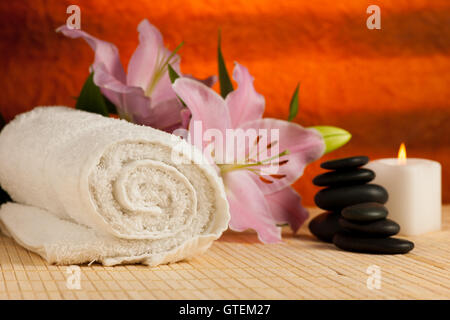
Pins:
x: 173, y: 75
x: 224, y: 79
x: 333, y: 137
x: 293, y: 105
x: 109, y: 105
x: 91, y: 99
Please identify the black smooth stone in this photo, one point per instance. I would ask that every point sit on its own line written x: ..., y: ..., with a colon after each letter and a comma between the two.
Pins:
x: 348, y: 242
x: 336, y: 198
x: 344, y: 177
x: 345, y: 163
x: 369, y: 211
x: 325, y: 226
x: 378, y: 229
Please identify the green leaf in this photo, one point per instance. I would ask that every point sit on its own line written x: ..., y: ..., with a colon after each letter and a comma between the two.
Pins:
x: 224, y: 79
x: 333, y: 137
x: 91, y: 99
x: 109, y: 105
x: 293, y: 105
x: 173, y: 75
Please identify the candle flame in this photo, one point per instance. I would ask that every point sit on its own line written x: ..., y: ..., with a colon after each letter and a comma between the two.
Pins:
x: 402, y: 154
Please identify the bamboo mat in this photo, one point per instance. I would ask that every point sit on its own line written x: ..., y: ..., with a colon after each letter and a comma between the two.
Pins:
x: 238, y: 267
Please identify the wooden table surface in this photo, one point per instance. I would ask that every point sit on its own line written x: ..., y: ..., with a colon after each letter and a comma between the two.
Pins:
x: 239, y: 267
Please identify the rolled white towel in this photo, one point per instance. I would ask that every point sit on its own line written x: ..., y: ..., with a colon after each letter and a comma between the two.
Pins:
x: 89, y: 188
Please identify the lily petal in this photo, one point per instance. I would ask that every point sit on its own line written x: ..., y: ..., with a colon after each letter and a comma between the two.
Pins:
x: 131, y: 102
x: 105, y: 52
x: 206, y: 106
x: 147, y: 67
x: 165, y: 115
x: 248, y: 207
x: 146, y: 63
x: 244, y: 103
x: 185, y: 117
x: 210, y: 81
x: 285, y: 206
x: 163, y: 90
x: 145, y: 58
x: 303, y: 146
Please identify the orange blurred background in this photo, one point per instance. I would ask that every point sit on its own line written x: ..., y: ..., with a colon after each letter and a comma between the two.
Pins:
x: 384, y: 86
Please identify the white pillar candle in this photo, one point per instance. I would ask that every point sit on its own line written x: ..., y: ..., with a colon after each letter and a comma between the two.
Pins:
x: 414, y: 187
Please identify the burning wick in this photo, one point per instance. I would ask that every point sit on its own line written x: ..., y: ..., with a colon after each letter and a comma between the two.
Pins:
x: 402, y: 154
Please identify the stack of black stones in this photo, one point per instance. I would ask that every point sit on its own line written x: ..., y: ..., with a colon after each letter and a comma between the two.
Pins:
x: 356, y: 217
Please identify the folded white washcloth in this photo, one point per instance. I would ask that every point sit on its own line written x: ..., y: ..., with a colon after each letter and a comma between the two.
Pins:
x: 89, y: 188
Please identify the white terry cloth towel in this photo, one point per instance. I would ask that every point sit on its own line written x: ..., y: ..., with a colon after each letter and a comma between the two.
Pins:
x: 90, y: 188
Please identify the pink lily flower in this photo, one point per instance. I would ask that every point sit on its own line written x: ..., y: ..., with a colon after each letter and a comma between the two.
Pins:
x: 143, y: 95
x: 257, y: 200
